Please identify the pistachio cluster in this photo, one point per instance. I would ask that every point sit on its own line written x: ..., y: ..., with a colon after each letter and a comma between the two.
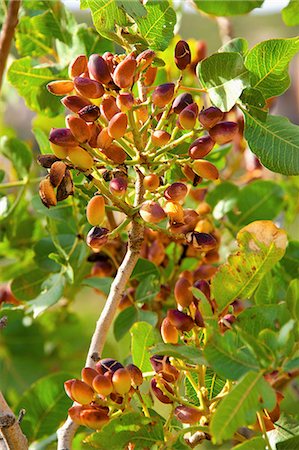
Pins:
x: 102, y: 392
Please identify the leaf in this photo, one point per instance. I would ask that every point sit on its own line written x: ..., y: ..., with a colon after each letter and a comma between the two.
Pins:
x: 255, y: 103
x: 124, y: 321
x: 286, y: 428
x: 256, y: 443
x: 240, y: 406
x: 289, y: 444
x: 190, y: 354
x: 275, y: 142
x: 28, y: 285
x: 261, y: 245
x: 42, y: 140
x: 292, y: 299
x: 51, y: 293
x: 290, y: 261
x: 46, y: 404
x: 261, y: 199
x: 133, y: 8
x: 144, y: 432
x: 227, y: 7
x: 143, y: 336
x: 290, y: 13
x: 30, y: 83
x: 268, y: 65
x: 224, y: 76
x: 255, y: 319
x: 143, y: 269
x: 18, y: 153
x: 228, y: 356
x: 239, y: 45
x: 222, y: 199
x: 102, y: 284
x: 148, y: 288
x: 105, y: 15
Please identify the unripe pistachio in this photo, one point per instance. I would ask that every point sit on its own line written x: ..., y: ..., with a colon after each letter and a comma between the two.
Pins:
x: 66, y: 187
x: 156, y: 252
x: 94, y: 418
x: 204, y: 209
x: 151, y: 182
x: 88, y: 88
x: 174, y: 211
x: 160, y: 138
x: 121, y: 381
x: 115, y: 153
x: 95, y: 210
x: 176, y: 192
x: 80, y: 158
x: 181, y: 101
x: 47, y: 193
x: 144, y: 59
x: 102, y: 385
x: 98, y: 69
x: 152, y: 212
x: 123, y: 75
x: 182, y: 292
x: 135, y: 374
x: 118, y: 125
x: 182, y: 55
x: 79, y: 391
x: 205, y: 272
x: 204, y: 287
x: 62, y: 137
x: 125, y: 101
x: 188, y: 116
x: 78, y: 66
x: 57, y: 173
x: 74, y: 103
x: 163, y: 94
x: 108, y: 107
x: 201, y: 241
x: 88, y: 374
x: 180, y: 320
x: 204, y: 226
x: 158, y: 393
x: 118, y: 186
x: 149, y: 76
x: 187, y: 414
x: 46, y: 161
x: 60, y: 87
x: 104, y: 140
x: 79, y: 128
x: 90, y: 113
x: 96, y: 238
x: 108, y: 364
x: 210, y: 116
x: 224, y: 132
x: 169, y: 333
x: 201, y: 147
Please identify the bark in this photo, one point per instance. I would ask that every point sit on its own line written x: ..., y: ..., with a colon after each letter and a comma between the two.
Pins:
x: 10, y: 430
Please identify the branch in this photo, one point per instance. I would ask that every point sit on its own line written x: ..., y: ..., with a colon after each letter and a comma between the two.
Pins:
x: 13, y: 437
x: 66, y: 433
x: 225, y: 29
x: 7, y: 34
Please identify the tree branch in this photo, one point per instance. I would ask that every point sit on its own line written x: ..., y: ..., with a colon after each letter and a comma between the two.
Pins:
x: 66, y: 433
x: 13, y: 437
x: 7, y: 34
x: 225, y: 29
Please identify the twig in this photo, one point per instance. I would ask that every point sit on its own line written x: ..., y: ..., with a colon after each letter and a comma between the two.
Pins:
x: 3, y: 322
x: 225, y: 29
x: 10, y: 429
x: 66, y: 433
x: 7, y: 34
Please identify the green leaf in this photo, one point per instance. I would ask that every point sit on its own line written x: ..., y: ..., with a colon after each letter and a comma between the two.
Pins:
x: 42, y: 140
x: 228, y: 356
x: 28, y: 285
x: 290, y: 261
x: 255, y: 103
x: 133, y: 427
x: 102, y: 284
x: 292, y: 299
x: 261, y: 199
x: 133, y: 8
x: 289, y: 444
x: 228, y: 7
x: 30, y: 83
x: 240, y: 406
x: 143, y: 336
x: 222, y: 199
x: 46, y: 404
x: 255, y: 319
x: 124, y: 321
x: 18, y: 153
x: 147, y: 289
x: 256, y: 443
x: 143, y: 269
x: 261, y: 245
x: 158, y: 25
x: 275, y: 142
x: 264, y: 293
x: 224, y: 76
x: 239, y: 45
x: 286, y: 428
x: 105, y: 16
x: 290, y: 13
x: 190, y: 354
x: 268, y: 65
x: 52, y: 290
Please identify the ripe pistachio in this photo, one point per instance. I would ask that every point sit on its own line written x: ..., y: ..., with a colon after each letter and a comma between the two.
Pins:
x: 224, y: 132
x: 57, y: 173
x: 60, y: 87
x: 180, y: 320
x: 152, y: 212
x: 102, y: 385
x: 205, y: 169
x: 187, y: 414
x: 160, y: 138
x: 181, y: 101
x: 47, y: 193
x: 118, y: 186
x: 210, y: 116
x: 121, y: 381
x: 201, y: 147
x: 115, y: 153
x: 118, y: 125
x: 149, y: 76
x: 74, y: 102
x: 125, y: 101
x: 78, y: 66
x: 79, y: 391
x: 95, y: 210
x: 79, y: 128
x: 182, y: 55
x: 108, y: 364
x: 88, y: 374
x: 108, y: 107
x: 163, y: 94
x: 96, y: 238
x: 188, y: 116
x: 201, y: 241
x: 151, y: 182
x: 123, y: 75
x: 80, y: 158
x: 62, y: 137
x: 176, y: 192
x: 66, y: 187
x: 158, y: 392
x: 169, y: 333
x: 98, y: 69
x: 88, y: 88
x: 182, y: 292
x: 46, y: 161
x: 135, y: 374
x: 90, y: 113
